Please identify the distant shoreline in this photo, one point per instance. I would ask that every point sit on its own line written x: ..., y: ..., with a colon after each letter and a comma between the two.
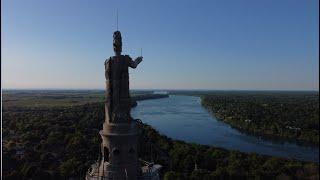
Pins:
x: 134, y: 99
x: 168, y: 90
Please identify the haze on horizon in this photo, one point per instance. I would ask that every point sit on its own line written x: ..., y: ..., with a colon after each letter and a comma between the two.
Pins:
x: 228, y: 45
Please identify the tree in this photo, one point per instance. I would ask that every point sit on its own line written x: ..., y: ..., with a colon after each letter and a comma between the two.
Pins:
x: 172, y: 175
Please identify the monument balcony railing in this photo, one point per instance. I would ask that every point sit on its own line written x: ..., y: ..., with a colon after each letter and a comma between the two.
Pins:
x: 147, y: 173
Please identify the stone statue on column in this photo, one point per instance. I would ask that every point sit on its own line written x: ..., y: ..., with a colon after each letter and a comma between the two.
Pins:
x: 118, y: 102
x: 119, y: 146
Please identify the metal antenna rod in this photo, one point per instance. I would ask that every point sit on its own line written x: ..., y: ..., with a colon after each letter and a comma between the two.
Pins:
x: 117, y: 19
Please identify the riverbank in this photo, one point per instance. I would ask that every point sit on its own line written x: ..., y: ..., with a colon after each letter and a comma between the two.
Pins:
x: 62, y: 142
x: 141, y: 97
x: 183, y: 118
x: 292, y: 118
x: 181, y: 160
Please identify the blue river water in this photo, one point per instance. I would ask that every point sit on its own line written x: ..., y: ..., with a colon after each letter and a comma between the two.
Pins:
x: 183, y: 118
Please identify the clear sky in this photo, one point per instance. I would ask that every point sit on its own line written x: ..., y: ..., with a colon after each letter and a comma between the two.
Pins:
x: 187, y: 44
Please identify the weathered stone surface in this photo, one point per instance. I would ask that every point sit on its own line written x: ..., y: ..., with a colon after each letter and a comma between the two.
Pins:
x: 120, y: 133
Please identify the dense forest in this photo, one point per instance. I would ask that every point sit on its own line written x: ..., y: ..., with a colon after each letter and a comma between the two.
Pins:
x: 62, y: 141
x: 290, y: 116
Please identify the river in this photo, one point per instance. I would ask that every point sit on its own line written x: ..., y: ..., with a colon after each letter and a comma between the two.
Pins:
x: 183, y: 118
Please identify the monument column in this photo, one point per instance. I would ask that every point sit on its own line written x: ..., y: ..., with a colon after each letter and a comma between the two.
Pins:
x: 120, y: 132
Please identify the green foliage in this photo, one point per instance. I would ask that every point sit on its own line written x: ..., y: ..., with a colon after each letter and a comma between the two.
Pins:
x: 200, y: 174
x: 62, y: 142
x: 220, y: 173
x: 50, y: 142
x: 290, y: 116
x: 216, y: 163
x: 172, y: 175
x: 70, y: 167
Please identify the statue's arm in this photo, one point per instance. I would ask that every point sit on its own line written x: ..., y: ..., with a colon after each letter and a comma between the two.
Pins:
x: 134, y: 63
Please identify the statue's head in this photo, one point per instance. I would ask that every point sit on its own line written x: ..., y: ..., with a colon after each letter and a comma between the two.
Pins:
x: 117, y: 42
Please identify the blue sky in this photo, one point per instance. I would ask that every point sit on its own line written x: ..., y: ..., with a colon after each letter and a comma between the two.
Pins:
x: 189, y: 44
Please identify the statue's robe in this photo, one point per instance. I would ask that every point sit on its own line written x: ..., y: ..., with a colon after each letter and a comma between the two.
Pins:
x: 118, y: 102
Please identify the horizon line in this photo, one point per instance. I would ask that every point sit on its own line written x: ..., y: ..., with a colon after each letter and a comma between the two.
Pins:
x: 154, y: 89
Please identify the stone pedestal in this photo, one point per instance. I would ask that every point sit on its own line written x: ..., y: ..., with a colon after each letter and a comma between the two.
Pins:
x: 119, y: 152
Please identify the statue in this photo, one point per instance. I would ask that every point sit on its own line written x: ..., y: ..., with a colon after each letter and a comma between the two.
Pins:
x: 118, y: 102
x: 119, y: 147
